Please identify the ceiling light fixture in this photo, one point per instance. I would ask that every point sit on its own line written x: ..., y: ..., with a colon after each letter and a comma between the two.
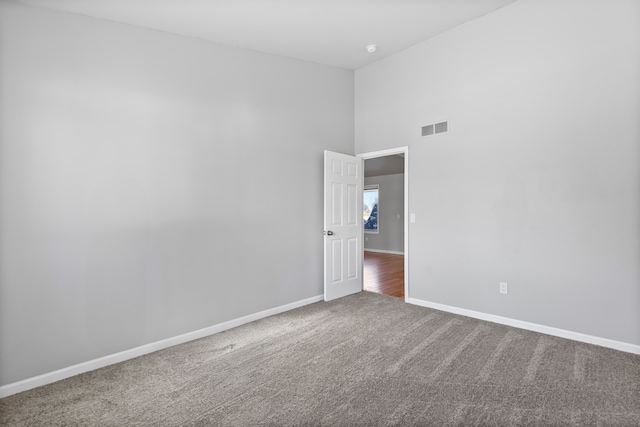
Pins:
x: 372, y: 48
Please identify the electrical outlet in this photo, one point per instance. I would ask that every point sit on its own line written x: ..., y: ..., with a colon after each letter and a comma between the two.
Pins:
x: 503, y: 288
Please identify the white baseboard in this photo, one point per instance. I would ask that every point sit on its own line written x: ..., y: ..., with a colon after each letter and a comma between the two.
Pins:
x: 60, y: 374
x: 562, y: 333
x: 383, y: 251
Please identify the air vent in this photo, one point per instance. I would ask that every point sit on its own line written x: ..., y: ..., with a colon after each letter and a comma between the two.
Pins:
x: 427, y: 130
x: 440, y: 127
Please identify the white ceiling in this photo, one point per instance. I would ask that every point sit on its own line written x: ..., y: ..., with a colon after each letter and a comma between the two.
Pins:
x: 331, y: 32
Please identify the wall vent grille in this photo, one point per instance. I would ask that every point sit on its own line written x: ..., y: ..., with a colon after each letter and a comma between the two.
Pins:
x: 435, y: 128
x: 427, y: 130
x: 442, y: 127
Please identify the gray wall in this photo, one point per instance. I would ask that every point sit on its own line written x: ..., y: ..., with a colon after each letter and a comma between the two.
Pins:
x: 391, y: 204
x: 538, y: 182
x: 152, y: 185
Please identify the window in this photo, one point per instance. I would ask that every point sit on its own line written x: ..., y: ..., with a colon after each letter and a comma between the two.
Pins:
x: 370, y: 208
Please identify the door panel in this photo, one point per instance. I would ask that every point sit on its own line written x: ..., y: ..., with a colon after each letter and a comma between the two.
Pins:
x: 344, y: 179
x: 352, y: 259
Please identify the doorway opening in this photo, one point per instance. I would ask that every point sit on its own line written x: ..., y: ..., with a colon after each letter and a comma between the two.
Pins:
x: 385, y: 213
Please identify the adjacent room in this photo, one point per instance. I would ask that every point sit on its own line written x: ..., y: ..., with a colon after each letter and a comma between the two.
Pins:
x: 163, y: 227
x: 383, y: 216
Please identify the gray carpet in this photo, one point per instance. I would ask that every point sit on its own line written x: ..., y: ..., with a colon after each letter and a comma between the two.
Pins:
x: 367, y: 360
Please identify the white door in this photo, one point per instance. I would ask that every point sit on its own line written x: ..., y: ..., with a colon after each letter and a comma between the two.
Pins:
x: 343, y: 182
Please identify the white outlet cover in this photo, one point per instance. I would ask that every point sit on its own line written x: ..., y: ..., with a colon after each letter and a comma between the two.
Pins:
x: 412, y: 218
x: 504, y: 288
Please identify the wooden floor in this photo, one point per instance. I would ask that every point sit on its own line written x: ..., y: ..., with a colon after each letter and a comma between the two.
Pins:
x: 384, y: 274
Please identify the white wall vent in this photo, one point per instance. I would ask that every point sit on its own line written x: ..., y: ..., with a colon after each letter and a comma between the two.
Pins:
x: 442, y: 127
x: 427, y: 130
x: 435, y: 128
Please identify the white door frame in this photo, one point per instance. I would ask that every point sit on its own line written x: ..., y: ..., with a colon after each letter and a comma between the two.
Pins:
x: 391, y: 152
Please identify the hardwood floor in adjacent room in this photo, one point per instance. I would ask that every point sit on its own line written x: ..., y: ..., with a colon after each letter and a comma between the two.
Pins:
x: 384, y: 273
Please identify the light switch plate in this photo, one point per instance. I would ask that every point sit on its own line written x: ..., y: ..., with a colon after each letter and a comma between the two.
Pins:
x: 504, y: 288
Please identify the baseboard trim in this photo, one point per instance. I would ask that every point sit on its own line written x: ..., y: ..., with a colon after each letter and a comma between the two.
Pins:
x: 61, y: 374
x: 383, y: 251
x: 562, y: 333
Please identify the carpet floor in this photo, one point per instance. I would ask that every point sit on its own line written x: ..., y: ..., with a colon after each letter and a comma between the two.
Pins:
x: 363, y: 360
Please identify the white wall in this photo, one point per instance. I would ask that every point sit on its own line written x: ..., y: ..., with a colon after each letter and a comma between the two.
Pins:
x: 152, y: 185
x: 390, y: 236
x: 538, y: 182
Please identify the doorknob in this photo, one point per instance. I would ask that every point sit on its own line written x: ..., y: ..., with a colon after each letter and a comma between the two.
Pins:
x: 329, y: 233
